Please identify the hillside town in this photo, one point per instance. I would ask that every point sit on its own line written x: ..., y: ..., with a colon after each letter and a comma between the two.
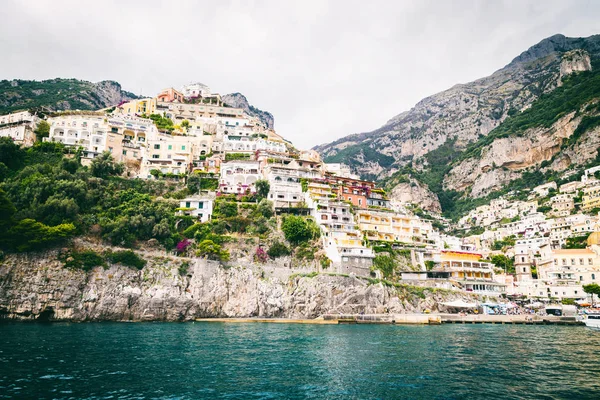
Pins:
x: 543, y: 245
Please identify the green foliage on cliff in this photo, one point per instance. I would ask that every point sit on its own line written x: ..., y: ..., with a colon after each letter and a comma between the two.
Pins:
x: 47, y: 197
x: 576, y: 91
x: 353, y: 155
x: 55, y: 94
x: 299, y: 230
x: 127, y: 258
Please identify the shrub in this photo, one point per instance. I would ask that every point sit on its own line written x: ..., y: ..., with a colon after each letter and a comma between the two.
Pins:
x: 278, y: 249
x: 265, y: 208
x: 386, y: 264
x: 127, y: 258
x: 183, y: 268
x: 212, y: 251
x: 260, y: 255
x: 84, y: 260
x: 225, y: 209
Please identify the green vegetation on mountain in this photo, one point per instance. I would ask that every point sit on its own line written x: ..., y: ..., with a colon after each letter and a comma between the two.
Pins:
x: 577, y: 91
x: 355, y: 154
x: 59, y: 94
x: 48, y: 197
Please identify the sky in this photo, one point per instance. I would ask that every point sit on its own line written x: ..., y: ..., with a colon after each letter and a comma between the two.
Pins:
x: 324, y: 69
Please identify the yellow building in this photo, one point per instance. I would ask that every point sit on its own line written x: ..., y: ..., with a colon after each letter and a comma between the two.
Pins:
x: 138, y: 106
x: 389, y: 226
x: 466, y: 270
x: 591, y: 198
x: 319, y: 191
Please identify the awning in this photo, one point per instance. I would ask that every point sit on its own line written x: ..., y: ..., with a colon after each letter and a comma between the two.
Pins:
x: 459, y: 304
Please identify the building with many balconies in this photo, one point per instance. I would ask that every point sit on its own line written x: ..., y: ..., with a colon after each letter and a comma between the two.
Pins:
x: 238, y: 177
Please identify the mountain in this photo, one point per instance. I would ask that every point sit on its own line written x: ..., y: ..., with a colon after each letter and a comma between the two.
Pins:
x: 238, y: 100
x: 60, y: 94
x: 473, y: 139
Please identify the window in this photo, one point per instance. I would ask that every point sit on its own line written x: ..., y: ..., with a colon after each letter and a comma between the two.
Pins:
x: 572, y: 261
x: 581, y: 261
x: 524, y: 269
x: 594, y: 277
x: 360, y: 202
x: 157, y: 146
x: 114, y: 130
x: 124, y: 152
x: 590, y: 261
x: 170, y: 147
x: 155, y: 156
x: 523, y: 260
x: 187, y: 204
x: 200, y: 204
x: 182, y: 147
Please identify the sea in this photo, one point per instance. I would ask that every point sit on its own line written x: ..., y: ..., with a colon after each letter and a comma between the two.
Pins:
x: 210, y: 360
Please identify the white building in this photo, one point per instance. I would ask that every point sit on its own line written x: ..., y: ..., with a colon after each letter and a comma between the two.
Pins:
x: 80, y: 129
x: 238, y: 177
x: 195, y: 90
x: 198, y: 207
x: 19, y: 127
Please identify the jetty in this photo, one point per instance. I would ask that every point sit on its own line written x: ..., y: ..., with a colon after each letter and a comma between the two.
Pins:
x: 409, y: 319
x: 436, y: 319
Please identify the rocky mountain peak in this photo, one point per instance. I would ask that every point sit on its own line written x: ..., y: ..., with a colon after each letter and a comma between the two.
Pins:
x: 238, y: 100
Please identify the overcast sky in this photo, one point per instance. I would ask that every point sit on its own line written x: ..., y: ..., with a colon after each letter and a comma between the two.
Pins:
x: 324, y: 69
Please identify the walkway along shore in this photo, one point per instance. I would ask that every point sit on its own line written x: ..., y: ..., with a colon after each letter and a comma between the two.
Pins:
x: 409, y: 319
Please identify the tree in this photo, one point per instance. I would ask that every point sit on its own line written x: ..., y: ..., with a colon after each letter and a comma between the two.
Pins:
x: 11, y: 154
x: 29, y: 234
x: 576, y: 242
x: 185, y: 124
x: 225, y: 209
x: 262, y: 188
x: 593, y: 289
x: 194, y: 183
x: 299, y: 230
x: 42, y: 130
x: 104, y: 166
x: 503, y: 262
x: 265, y: 208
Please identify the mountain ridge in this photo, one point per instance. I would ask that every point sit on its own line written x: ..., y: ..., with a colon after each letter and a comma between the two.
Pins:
x: 464, y: 114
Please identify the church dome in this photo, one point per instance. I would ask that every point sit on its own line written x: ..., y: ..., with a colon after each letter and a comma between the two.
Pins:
x: 594, y: 239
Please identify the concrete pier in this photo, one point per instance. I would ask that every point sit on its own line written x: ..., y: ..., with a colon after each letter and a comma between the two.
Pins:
x: 409, y: 319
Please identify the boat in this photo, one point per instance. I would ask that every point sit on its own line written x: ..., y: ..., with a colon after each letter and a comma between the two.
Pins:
x: 592, y: 320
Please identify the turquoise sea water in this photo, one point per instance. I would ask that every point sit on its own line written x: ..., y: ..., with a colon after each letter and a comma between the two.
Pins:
x: 273, y: 361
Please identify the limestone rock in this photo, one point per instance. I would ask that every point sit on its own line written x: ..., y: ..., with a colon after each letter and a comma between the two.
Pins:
x: 40, y: 287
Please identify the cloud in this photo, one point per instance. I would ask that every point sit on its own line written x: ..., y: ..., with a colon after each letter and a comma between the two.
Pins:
x: 325, y: 69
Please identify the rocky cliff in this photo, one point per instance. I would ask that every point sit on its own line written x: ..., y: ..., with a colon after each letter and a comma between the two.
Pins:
x: 40, y: 287
x: 466, y: 114
x: 238, y: 100
x: 60, y: 94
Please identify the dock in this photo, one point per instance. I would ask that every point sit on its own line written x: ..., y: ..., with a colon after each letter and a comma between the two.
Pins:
x: 409, y: 319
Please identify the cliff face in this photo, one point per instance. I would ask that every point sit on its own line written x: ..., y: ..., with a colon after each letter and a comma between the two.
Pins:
x: 40, y: 287
x: 466, y: 114
x: 60, y: 94
x: 417, y: 193
x: 238, y: 100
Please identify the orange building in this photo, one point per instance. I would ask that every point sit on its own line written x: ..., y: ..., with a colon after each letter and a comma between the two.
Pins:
x: 354, y: 190
x: 170, y: 95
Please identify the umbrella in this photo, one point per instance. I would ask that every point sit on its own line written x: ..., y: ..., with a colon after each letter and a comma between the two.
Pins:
x: 459, y: 304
